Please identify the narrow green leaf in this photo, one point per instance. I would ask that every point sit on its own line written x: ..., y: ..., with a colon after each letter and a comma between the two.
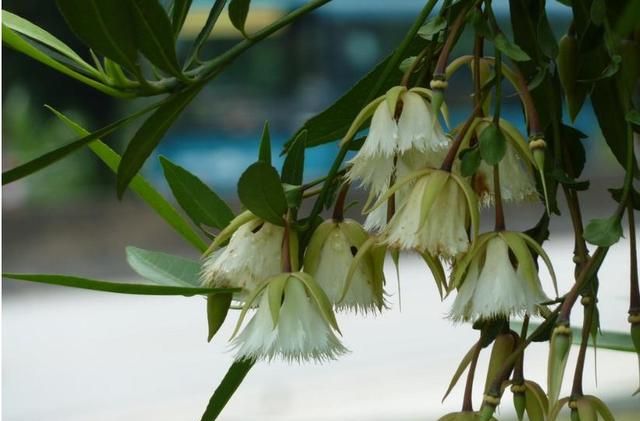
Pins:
x: 217, y: 309
x: 179, y: 13
x: 260, y: 191
x: 140, y: 186
x: 49, y: 158
x: 109, y: 286
x: 493, y: 144
x: 18, y: 43
x: 634, y: 196
x: 226, y: 389
x: 106, y: 26
x: 264, y: 152
x: 238, y: 11
x: 466, y: 360
x: 512, y: 50
x: 204, y: 33
x: 293, y: 166
x: 201, y: 203
x: 149, y: 135
x: 603, y: 232
x: 163, y: 268
x: 154, y: 35
x: 34, y: 32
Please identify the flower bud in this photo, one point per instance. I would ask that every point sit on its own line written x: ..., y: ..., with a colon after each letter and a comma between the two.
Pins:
x: 503, y: 346
x: 567, y: 71
x: 558, y: 355
x: 519, y: 402
x: 537, y: 145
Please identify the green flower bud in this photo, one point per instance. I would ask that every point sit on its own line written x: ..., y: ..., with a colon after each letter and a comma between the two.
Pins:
x: 537, y: 145
x: 502, y: 347
x: 558, y: 354
x: 519, y: 403
x: 567, y: 63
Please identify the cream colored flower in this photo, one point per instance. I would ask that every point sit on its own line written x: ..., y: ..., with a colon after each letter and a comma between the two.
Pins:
x: 293, y: 321
x: 342, y: 259
x: 435, y: 216
x: 516, y: 180
x: 252, y: 255
x: 402, y: 128
x: 498, y: 278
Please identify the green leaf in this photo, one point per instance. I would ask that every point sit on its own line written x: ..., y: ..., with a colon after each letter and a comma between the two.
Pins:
x: 264, y: 151
x: 492, y: 144
x: 260, y: 191
x: 18, y: 43
x: 204, y: 33
x: 154, y: 35
x: 217, y: 309
x: 179, y: 13
x: 432, y: 27
x: 163, y: 268
x: 49, y: 158
x: 140, y: 186
x: 603, y: 232
x: 634, y: 195
x: 109, y: 286
x: 573, y: 139
x: 202, y: 204
x: 512, y: 50
x: 466, y: 360
x: 34, y: 32
x: 470, y: 160
x: 106, y: 26
x: 238, y: 11
x: 334, y: 122
x: 293, y: 166
x: 545, y: 36
x: 149, y: 135
x: 227, y: 388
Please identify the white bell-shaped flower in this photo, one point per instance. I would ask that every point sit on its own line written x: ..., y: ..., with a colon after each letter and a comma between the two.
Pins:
x: 498, y: 278
x: 344, y: 261
x: 402, y: 125
x: 435, y: 216
x: 293, y: 321
x: 252, y: 255
x: 517, y: 183
x: 408, y: 162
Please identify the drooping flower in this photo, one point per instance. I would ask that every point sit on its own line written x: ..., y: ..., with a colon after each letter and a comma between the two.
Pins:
x: 347, y: 265
x: 403, y: 131
x: 293, y: 321
x: 498, y: 278
x: 252, y: 255
x: 435, y: 215
x: 517, y: 183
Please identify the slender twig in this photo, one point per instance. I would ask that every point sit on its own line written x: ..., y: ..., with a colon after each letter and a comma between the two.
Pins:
x: 634, y: 291
x: 338, y: 208
x: 499, y: 226
x: 589, y: 310
x: 467, y: 401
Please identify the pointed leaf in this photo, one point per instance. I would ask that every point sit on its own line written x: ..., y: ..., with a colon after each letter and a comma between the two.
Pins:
x: 512, y: 50
x: 179, y: 13
x: 264, y: 151
x: 163, y: 268
x: 140, y: 186
x: 154, y: 35
x: 205, y: 32
x: 109, y: 286
x: 238, y: 11
x: 217, y: 309
x: 260, y: 191
x: 201, y: 203
x: 466, y: 360
x: 149, y: 135
x: 492, y: 144
x: 293, y: 166
x: 105, y: 26
x: 226, y: 389
x: 34, y: 32
x: 49, y: 158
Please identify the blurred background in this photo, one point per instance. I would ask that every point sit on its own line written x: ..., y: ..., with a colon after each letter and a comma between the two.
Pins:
x: 75, y: 355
